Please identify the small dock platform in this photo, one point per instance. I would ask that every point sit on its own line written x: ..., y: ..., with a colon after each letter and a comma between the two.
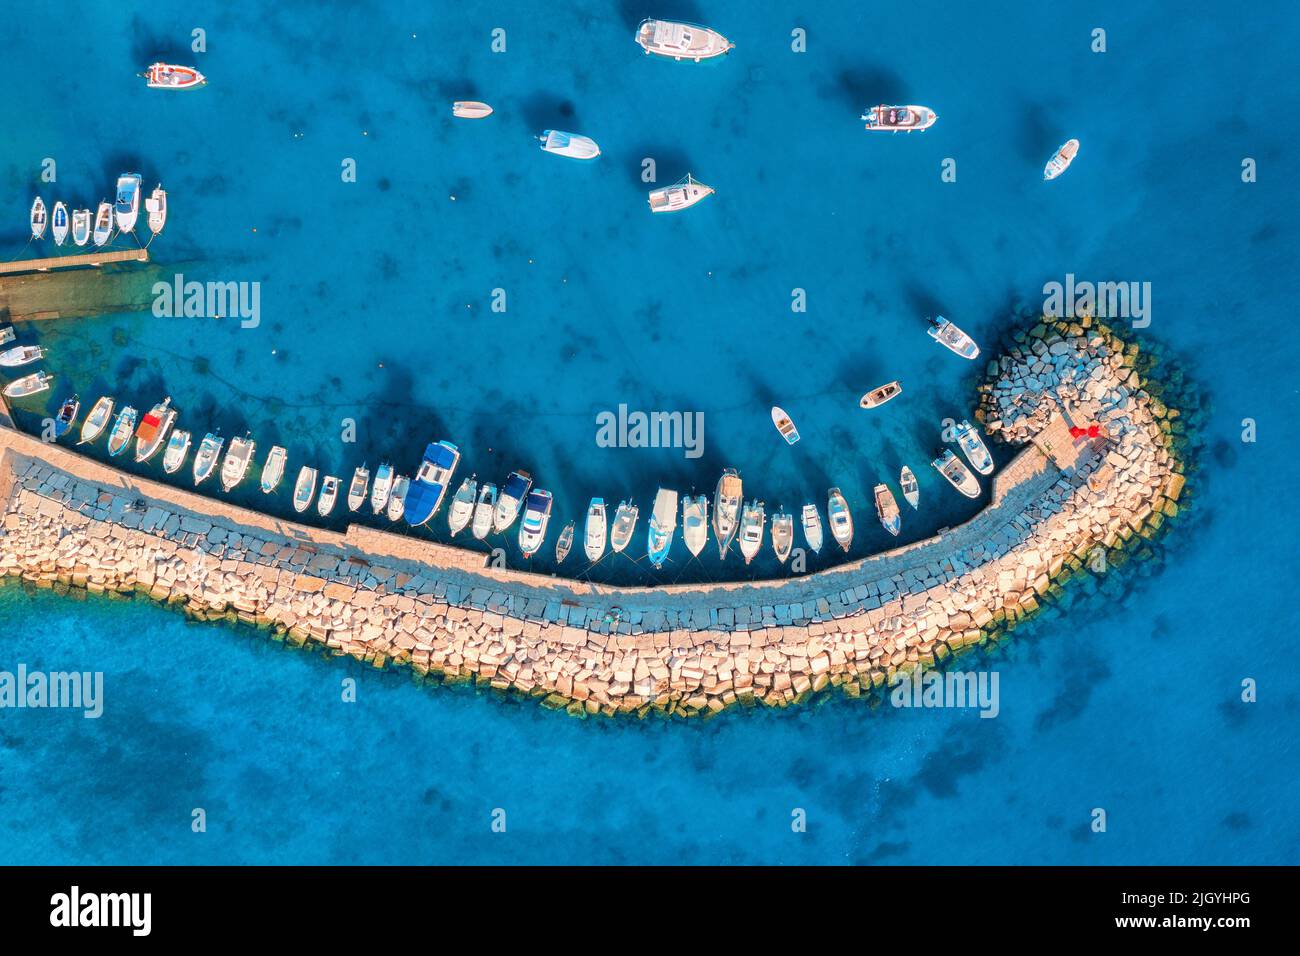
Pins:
x: 103, y: 257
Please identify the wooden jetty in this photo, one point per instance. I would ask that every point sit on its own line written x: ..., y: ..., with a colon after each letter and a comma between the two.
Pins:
x: 100, y: 258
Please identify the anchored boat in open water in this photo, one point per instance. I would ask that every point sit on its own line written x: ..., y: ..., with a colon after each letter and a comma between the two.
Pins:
x: 784, y: 425
x: 878, y: 396
x: 899, y: 119
x: 572, y: 145
x: 681, y: 195
x: 681, y: 40
x: 470, y: 109
x: 952, y: 338
x: 1061, y: 159
x: 171, y: 76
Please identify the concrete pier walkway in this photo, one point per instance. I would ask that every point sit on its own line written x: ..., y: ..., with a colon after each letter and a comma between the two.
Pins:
x: 77, y: 261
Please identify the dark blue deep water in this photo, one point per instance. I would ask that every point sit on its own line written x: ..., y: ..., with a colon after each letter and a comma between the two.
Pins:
x: 376, y: 307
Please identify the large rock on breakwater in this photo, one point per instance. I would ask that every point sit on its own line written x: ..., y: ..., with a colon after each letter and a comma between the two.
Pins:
x: 381, y: 598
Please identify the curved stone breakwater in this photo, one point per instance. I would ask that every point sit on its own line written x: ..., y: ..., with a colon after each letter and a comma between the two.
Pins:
x: 379, y: 597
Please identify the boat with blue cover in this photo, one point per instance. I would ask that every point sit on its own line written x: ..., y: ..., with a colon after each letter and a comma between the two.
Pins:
x: 429, y: 486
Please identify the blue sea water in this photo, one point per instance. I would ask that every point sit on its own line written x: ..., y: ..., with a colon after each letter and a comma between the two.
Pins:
x: 375, y: 306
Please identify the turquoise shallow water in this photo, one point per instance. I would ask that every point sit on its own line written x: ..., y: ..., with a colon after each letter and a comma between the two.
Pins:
x: 1123, y: 700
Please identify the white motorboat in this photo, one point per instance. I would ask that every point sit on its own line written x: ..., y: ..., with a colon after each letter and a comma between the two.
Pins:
x: 782, y: 534
x: 752, y: 521
x: 784, y: 425
x: 887, y: 509
x: 462, y: 506
x: 1062, y: 159
x: 38, y: 218
x: 532, y: 527
x: 122, y: 431
x: 100, y: 414
x: 6, y: 334
x: 911, y: 491
x: 811, y: 520
x: 273, y: 469
x: 103, y: 224
x: 681, y: 195
x: 663, y: 524
x: 397, y: 498
x: 511, y: 498
x: 358, y: 488
x: 470, y: 109
x: 32, y: 384
x: 153, y: 430
x: 127, y: 206
x: 304, y: 489
x: 172, y: 76
x: 329, y: 493
x: 80, y: 226
x: 59, y: 229
x: 952, y: 338
x: 238, y: 457
x: 841, y: 519
x: 178, y: 447
x: 565, y: 544
x: 695, y: 523
x: 484, y: 509
x: 957, y: 474
x: 878, y: 396
x: 624, y: 524
x: 681, y: 40
x: 571, y: 145
x: 593, y: 538
x: 899, y: 119
x: 973, y: 447
x: 382, y: 488
x: 726, y: 509
x: 21, y: 355
x: 156, y: 207
x: 205, y: 459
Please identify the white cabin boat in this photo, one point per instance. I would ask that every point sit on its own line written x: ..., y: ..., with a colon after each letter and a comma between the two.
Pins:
x: 752, y: 521
x: 572, y: 145
x: 841, y: 519
x: 329, y: 493
x: 911, y: 491
x: 358, y: 488
x: 205, y: 459
x: 171, y: 76
x: 899, y: 119
x: 100, y: 414
x: 663, y: 524
x: 156, y: 207
x: 957, y: 474
x: 103, y: 224
x: 21, y: 355
x: 470, y: 109
x: 32, y: 384
x: 127, y: 206
x: 811, y: 520
x: 273, y: 469
x: 1062, y: 159
x: 782, y: 534
x: 511, y: 499
x: 624, y: 524
x: 887, y: 509
x: 681, y: 40
x: 878, y: 396
x: 238, y: 457
x: 695, y: 523
x: 122, y: 431
x: 784, y: 425
x: 397, y: 498
x: 593, y: 538
x: 681, y: 195
x: 39, y: 218
x: 726, y: 509
x: 80, y: 226
x: 153, y: 430
x: 973, y: 447
x: 532, y: 527
x: 178, y: 447
x: 484, y: 510
x: 565, y: 543
x: 462, y: 506
x: 304, y: 489
x: 382, y: 488
x: 59, y: 229
x: 952, y: 338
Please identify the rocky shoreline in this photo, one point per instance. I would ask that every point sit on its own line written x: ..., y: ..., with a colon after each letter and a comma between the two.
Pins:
x: 694, y: 649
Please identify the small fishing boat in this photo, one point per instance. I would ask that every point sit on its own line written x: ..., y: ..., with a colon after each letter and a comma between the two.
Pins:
x: 358, y: 488
x: 397, y: 498
x: 911, y: 492
x: 512, y: 496
x: 811, y: 520
x: 462, y: 506
x: 122, y: 431
x: 329, y: 493
x: 752, y: 520
x: 21, y: 355
x: 39, y: 218
x: 695, y: 523
x: 1061, y: 161
x: 304, y: 489
x: 571, y: 145
x: 782, y: 534
x: 429, y: 486
x: 783, y: 424
x: 878, y: 396
x: 484, y: 508
x: 29, y: 385
x: 681, y: 195
x: 470, y: 109
x: 663, y: 522
x: 681, y: 40
x: 952, y: 338
x: 532, y: 528
x: 895, y: 119
x: 565, y: 544
x: 205, y: 459
x: 95, y: 422
x: 624, y: 524
x: 127, y: 206
x: 80, y: 226
x: 178, y: 446
x: 841, y: 519
x: 156, y: 207
x: 726, y: 509
x: 6, y: 334
x: 957, y: 474
x: 973, y: 447
x: 171, y: 76
x: 382, y: 488
x: 238, y: 457
x: 60, y: 227
x: 887, y: 509
x: 593, y: 539
x: 273, y: 468
x: 67, y: 415
x: 103, y: 224
x: 153, y: 430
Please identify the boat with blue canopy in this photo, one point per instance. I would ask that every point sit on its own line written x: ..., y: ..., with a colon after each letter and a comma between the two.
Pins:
x: 429, y: 486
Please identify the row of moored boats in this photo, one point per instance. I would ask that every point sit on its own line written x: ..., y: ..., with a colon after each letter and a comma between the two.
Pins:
x: 82, y: 227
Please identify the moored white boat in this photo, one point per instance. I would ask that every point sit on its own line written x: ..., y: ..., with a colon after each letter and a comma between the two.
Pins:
x: 6, y: 334
x: 304, y: 489
x: 127, y: 206
x: 911, y: 491
x: 273, y: 469
x: 358, y: 488
x: 899, y: 119
x: 59, y: 226
x: 840, y: 518
x: 565, y: 543
x: 624, y: 524
x: 461, y: 511
x: 782, y: 534
x: 154, y: 429
x: 21, y: 355
x: 878, y: 396
x: 784, y: 425
x: 382, y: 488
x: 429, y: 486
x: 206, y: 458
x: 238, y: 457
x: 726, y: 509
x: 1061, y: 159
x: 887, y: 509
x: 752, y: 521
x: 532, y: 528
x: 122, y: 431
x: 80, y: 226
x: 811, y: 520
x: 663, y: 523
x: 156, y: 207
x: 32, y: 384
x: 39, y: 218
x: 484, y: 508
x: 172, y: 76
x: 572, y: 145
x: 329, y: 493
x: 470, y: 109
x: 67, y: 415
x: 957, y: 474
x: 397, y: 498
x: 178, y: 447
x: 95, y: 422
x: 593, y: 538
x: 510, y: 500
x: 681, y: 195
x: 103, y: 224
x: 973, y: 447
x: 681, y: 40
x: 952, y: 338
x: 695, y: 523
